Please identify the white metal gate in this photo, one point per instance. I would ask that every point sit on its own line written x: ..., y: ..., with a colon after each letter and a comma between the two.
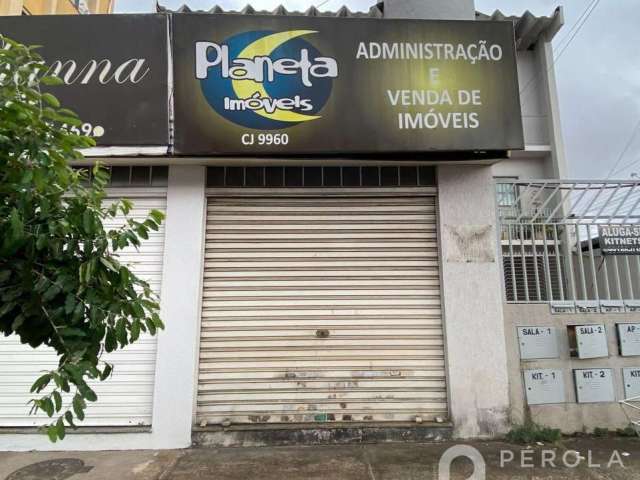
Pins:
x: 323, y: 308
x: 124, y: 399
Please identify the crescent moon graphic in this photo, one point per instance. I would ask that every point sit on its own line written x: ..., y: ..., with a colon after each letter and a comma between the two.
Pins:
x: 246, y: 88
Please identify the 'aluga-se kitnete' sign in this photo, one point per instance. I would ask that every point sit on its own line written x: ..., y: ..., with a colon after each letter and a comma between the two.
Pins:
x: 619, y: 239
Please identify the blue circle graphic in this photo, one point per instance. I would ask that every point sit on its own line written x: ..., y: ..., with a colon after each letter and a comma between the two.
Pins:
x: 215, y: 87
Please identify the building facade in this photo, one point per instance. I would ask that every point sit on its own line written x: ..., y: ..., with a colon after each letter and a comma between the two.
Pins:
x: 334, y: 296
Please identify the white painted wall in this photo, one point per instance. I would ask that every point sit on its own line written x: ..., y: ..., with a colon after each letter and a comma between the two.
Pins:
x: 177, y: 349
x: 558, y: 164
x: 472, y: 301
x: 534, y: 109
x: 522, y: 167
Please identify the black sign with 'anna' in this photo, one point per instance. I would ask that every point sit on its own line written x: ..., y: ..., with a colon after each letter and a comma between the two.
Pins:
x: 114, y: 69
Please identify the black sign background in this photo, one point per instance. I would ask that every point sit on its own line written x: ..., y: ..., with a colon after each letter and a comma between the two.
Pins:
x: 129, y: 114
x: 358, y: 116
x: 619, y: 239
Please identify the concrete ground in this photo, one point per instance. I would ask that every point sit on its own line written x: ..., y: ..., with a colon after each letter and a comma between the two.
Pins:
x: 599, y: 459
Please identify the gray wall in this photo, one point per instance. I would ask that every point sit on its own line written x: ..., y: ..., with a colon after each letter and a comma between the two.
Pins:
x: 430, y: 9
x: 570, y: 417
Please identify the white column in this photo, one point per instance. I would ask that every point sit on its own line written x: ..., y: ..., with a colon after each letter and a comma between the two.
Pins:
x: 176, y: 365
x: 472, y: 301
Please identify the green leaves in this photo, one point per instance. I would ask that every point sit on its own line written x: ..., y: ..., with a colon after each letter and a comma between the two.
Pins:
x: 61, y: 282
x: 51, y: 100
x: 78, y: 406
x: 41, y: 383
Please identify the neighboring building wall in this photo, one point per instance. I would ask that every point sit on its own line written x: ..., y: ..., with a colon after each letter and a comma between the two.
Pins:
x: 11, y: 7
x: 100, y: 6
x: 51, y: 7
x: 571, y: 416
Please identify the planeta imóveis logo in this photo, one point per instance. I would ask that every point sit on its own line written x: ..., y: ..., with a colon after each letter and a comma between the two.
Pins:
x: 264, y: 79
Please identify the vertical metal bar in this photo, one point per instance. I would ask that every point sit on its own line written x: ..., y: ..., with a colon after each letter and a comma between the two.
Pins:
x: 535, y: 262
x: 581, y: 263
x: 524, y: 265
x: 513, y: 266
x: 616, y: 272
x: 605, y: 269
x: 629, y: 278
x: 593, y: 264
x: 569, y: 259
x: 547, y: 268
x: 558, y: 261
x: 637, y: 257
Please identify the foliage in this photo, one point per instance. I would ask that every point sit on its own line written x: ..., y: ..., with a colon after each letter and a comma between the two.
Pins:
x: 61, y: 283
x: 627, y: 431
x: 530, y: 432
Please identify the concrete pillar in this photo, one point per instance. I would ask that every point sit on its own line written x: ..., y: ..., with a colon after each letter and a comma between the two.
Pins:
x: 176, y: 364
x: 472, y: 301
x: 11, y: 7
x: 430, y: 9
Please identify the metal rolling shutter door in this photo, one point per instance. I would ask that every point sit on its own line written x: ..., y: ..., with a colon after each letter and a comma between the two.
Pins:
x: 124, y: 399
x: 277, y: 270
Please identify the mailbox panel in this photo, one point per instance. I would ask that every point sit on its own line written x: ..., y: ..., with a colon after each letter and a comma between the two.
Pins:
x: 538, y: 342
x: 594, y: 385
x: 629, y: 338
x: 631, y: 379
x: 591, y: 341
x: 544, y: 386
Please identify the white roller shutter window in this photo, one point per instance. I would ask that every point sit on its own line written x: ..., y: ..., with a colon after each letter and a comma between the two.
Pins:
x: 282, y: 272
x: 123, y: 400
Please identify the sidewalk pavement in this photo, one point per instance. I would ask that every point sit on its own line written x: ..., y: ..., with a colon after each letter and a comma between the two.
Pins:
x: 397, y: 461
